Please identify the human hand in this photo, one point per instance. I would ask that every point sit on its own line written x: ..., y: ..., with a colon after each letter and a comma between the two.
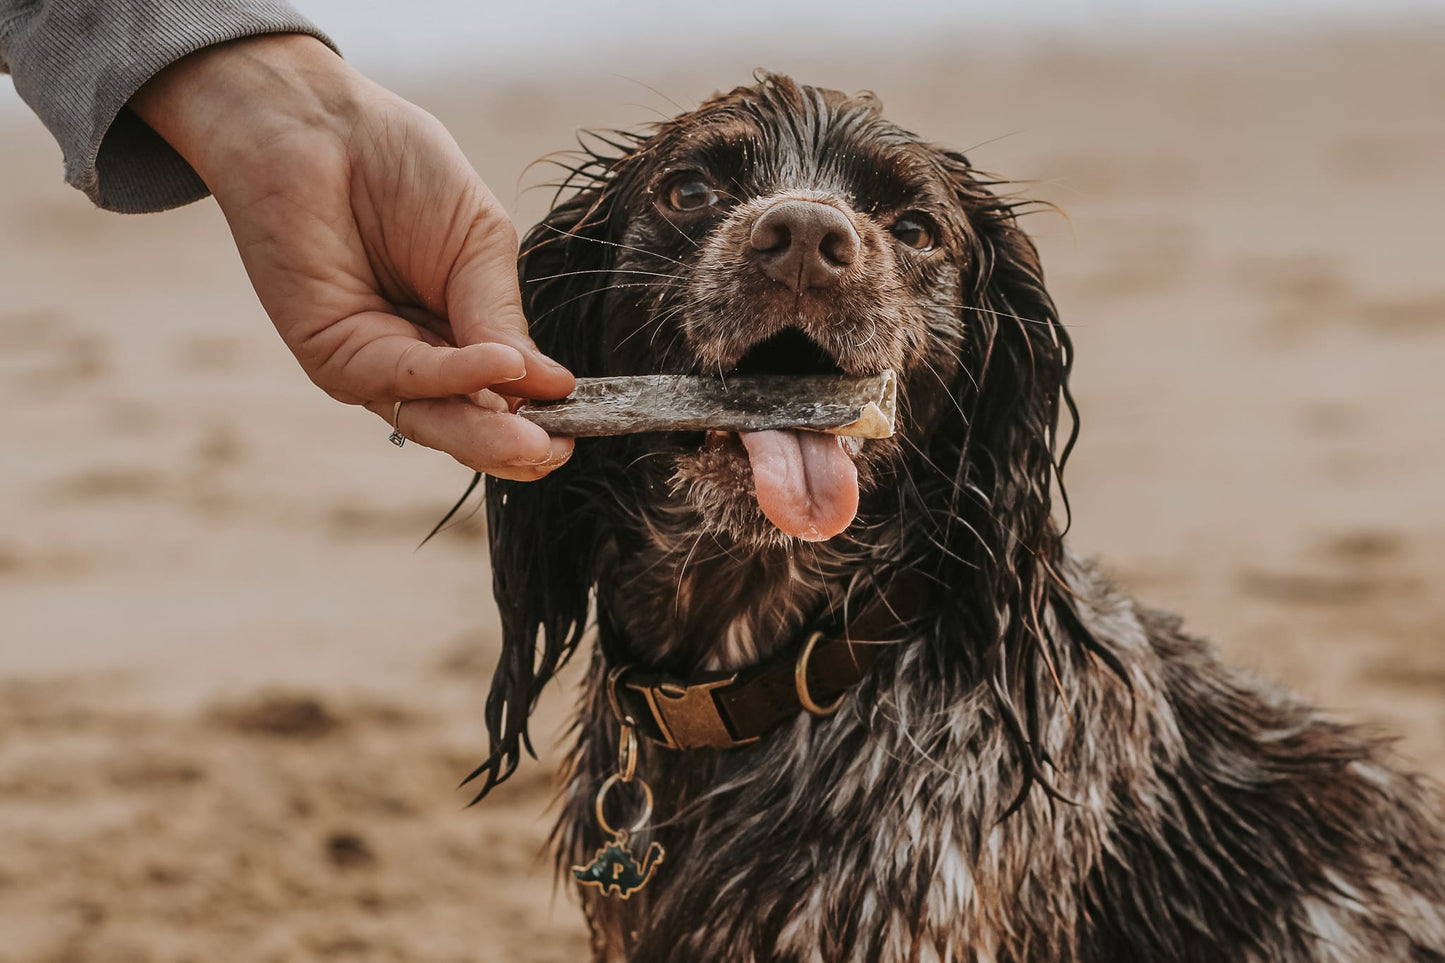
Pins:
x: 385, y: 263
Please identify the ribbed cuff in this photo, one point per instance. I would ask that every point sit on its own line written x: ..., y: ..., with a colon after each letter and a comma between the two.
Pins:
x: 77, y: 64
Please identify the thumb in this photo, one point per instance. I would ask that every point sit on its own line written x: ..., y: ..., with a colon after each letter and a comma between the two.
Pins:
x: 484, y: 303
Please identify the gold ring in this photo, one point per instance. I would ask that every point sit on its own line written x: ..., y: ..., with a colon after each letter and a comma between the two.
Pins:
x: 397, y: 438
x: 800, y: 681
x: 637, y: 823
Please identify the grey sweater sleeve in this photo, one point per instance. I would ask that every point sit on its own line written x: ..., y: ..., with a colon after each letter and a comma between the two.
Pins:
x: 77, y: 63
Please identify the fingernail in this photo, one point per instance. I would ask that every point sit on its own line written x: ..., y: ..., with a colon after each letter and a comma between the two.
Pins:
x: 521, y: 368
x: 557, y: 452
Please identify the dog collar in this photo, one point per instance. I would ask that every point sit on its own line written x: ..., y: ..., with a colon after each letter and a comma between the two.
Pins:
x: 726, y: 710
x: 723, y: 710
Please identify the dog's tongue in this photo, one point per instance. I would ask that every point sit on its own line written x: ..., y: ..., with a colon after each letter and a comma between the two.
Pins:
x: 807, y: 485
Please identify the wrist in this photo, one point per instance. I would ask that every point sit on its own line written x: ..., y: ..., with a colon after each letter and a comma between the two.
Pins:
x: 225, y: 106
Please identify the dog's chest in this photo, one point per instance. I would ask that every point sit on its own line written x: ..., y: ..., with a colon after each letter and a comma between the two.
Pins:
x: 818, y: 847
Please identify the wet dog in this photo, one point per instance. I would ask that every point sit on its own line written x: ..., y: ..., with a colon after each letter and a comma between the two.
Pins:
x: 1039, y: 769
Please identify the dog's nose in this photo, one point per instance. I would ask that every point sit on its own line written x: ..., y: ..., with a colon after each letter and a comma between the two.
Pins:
x: 804, y: 244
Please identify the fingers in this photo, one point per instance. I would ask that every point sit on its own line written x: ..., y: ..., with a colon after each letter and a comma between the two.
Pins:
x: 374, y: 355
x: 484, y: 303
x: 420, y: 370
x: 450, y: 404
x: 485, y: 440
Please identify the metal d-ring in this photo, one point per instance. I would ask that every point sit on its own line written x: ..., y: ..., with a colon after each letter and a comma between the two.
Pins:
x: 800, y: 681
x: 637, y: 823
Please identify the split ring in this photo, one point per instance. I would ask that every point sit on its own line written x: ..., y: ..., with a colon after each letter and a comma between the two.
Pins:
x: 627, y: 754
x: 614, y: 679
x: 637, y: 823
x: 800, y: 681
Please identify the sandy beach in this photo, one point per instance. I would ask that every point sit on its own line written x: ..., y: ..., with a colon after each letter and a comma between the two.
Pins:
x: 235, y: 700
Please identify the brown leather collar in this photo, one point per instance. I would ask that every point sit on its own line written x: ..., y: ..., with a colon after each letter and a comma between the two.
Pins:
x: 723, y: 710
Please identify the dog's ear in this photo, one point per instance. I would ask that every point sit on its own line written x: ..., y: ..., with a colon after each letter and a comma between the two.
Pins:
x: 1013, y: 380
x: 545, y: 534
x: 1006, y: 457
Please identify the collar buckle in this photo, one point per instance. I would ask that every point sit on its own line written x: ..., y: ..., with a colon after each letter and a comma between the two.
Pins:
x: 688, y: 716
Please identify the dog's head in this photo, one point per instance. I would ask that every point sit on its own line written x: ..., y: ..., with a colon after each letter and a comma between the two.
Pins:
x: 786, y: 229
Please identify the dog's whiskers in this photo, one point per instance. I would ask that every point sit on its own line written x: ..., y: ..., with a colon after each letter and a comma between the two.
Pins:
x: 947, y: 390
x: 617, y: 244
x: 681, y: 233
x: 608, y: 271
x: 593, y: 292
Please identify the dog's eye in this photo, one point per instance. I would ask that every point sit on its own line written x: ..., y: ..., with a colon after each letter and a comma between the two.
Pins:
x: 690, y: 194
x: 914, y: 231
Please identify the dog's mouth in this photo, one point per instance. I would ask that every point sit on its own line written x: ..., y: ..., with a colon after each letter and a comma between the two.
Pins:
x: 805, y: 482
x: 789, y: 352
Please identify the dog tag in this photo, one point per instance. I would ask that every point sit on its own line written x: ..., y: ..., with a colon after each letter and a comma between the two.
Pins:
x: 616, y: 871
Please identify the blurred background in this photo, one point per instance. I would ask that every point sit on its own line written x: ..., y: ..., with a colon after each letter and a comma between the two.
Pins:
x: 234, y: 700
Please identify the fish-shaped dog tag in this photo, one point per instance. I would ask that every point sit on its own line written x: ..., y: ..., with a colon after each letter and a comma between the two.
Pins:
x: 615, y: 868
